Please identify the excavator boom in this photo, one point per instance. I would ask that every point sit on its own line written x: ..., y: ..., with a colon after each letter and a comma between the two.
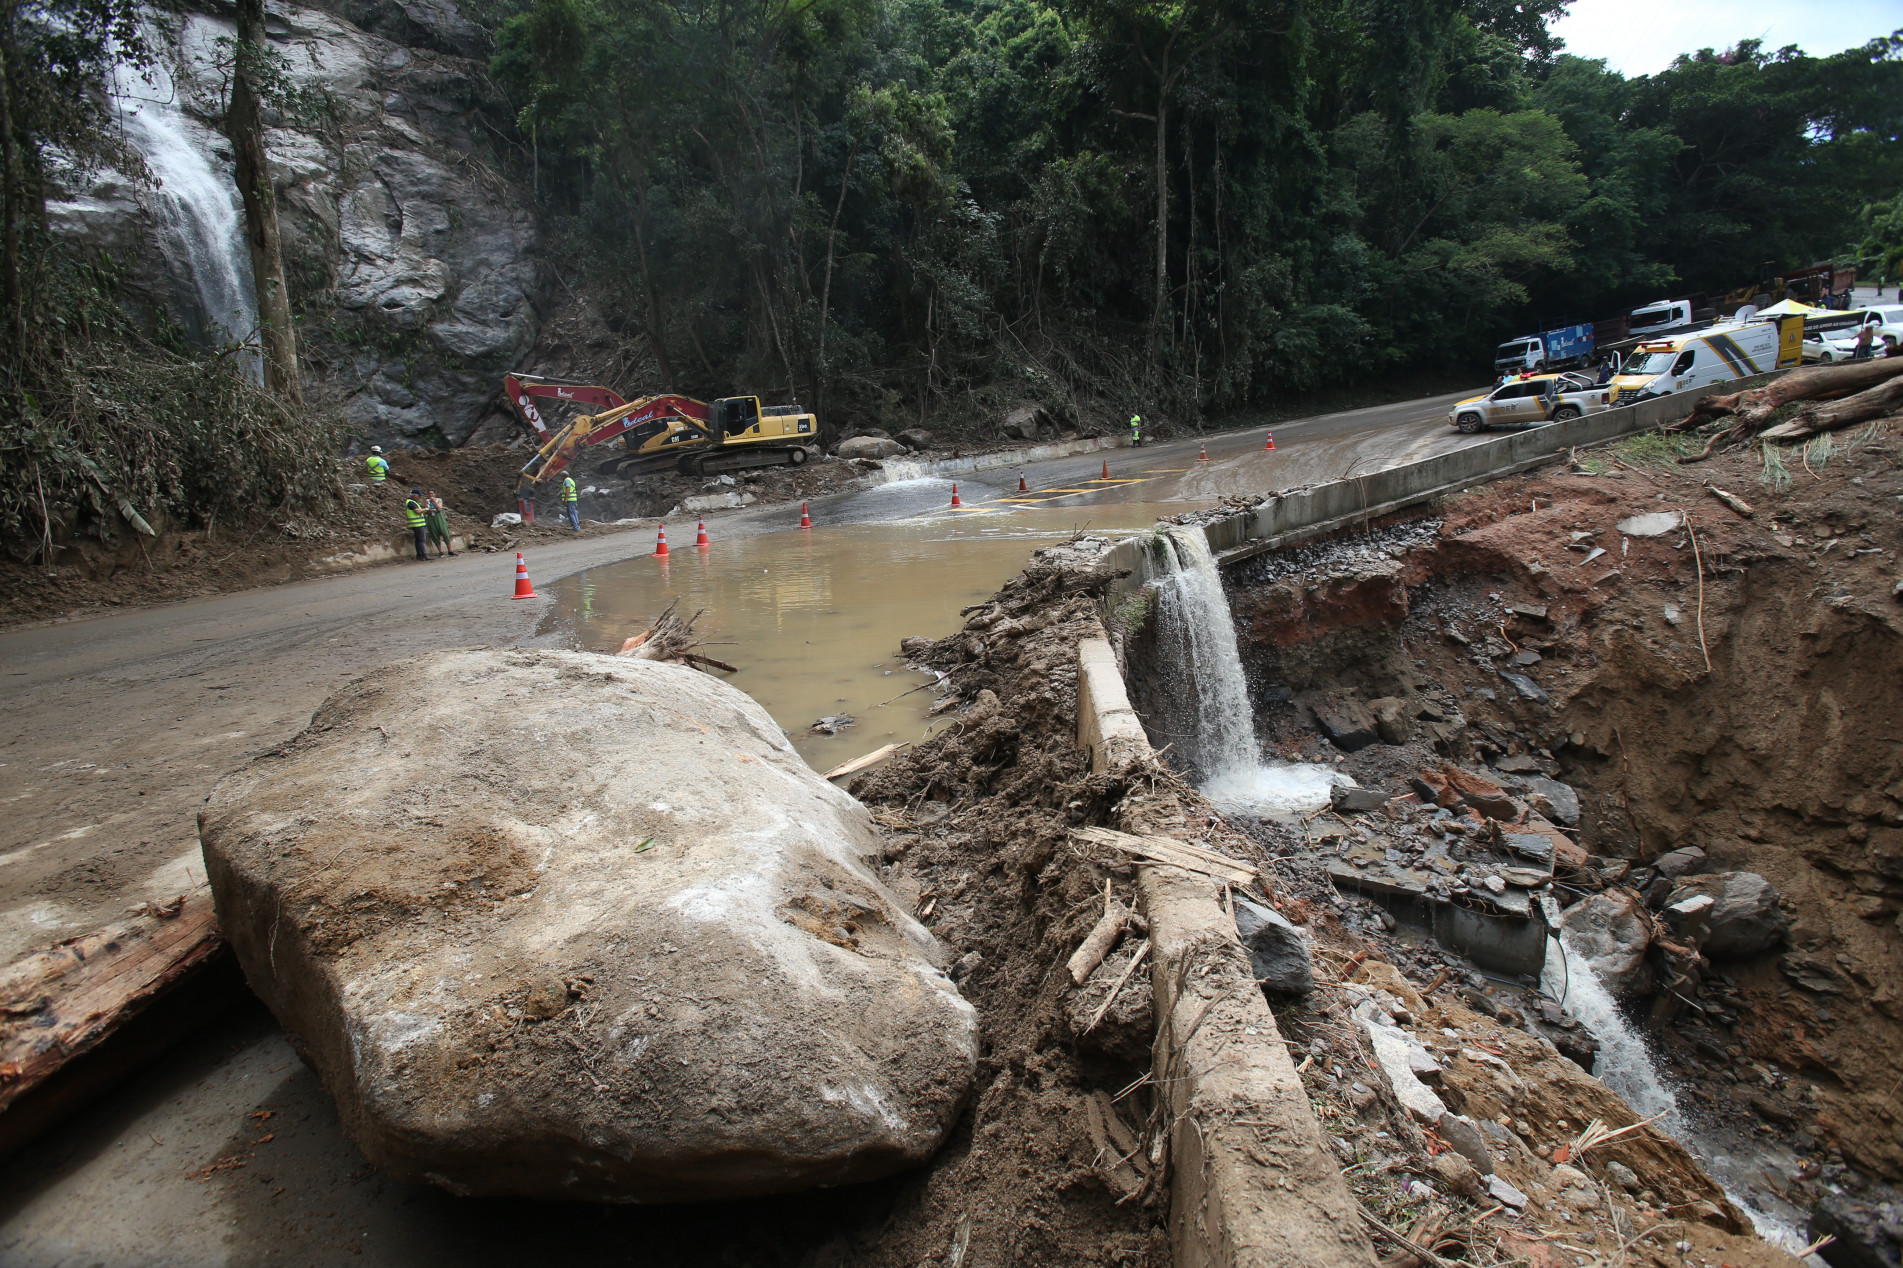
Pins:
x: 521, y: 391
x: 681, y: 416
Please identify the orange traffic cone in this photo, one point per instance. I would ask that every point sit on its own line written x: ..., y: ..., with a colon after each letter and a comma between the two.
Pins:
x: 700, y: 540
x: 523, y: 590
x: 955, y: 501
x: 660, y: 547
x: 1022, y: 487
x: 1270, y: 442
x: 1106, y: 470
x: 1203, y: 453
x: 806, y: 521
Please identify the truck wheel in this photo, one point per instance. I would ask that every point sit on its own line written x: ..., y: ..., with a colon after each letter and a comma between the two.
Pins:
x: 1566, y: 413
x: 797, y: 457
x: 1469, y: 423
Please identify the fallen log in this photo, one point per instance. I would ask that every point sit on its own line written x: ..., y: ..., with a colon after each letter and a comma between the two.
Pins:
x: 1752, y: 409
x: 1885, y: 398
x: 1731, y: 500
x: 60, y: 1004
x: 1172, y: 853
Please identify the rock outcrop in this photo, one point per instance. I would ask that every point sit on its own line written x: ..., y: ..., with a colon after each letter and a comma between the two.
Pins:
x: 564, y: 925
x: 413, y: 259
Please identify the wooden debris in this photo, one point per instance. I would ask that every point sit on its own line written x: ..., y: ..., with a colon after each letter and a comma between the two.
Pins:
x: 1174, y: 853
x: 1885, y: 398
x: 858, y: 764
x: 1731, y: 500
x: 671, y: 638
x: 58, y: 1004
x: 1116, y: 988
x: 1097, y: 943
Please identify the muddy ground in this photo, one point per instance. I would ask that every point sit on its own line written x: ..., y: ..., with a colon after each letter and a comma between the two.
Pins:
x: 1750, y: 708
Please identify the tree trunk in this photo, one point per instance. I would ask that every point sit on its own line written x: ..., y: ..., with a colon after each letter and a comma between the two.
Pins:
x: 13, y: 187
x: 244, y: 124
x: 1160, y: 312
x: 657, y: 336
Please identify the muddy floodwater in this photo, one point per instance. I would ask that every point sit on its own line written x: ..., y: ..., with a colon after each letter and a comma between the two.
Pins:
x: 813, y: 618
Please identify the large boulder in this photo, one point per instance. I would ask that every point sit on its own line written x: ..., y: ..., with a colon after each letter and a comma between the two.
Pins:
x: 869, y: 447
x: 574, y: 926
x: 1027, y: 422
x: 1611, y: 931
x: 1278, y: 951
x: 1744, y: 918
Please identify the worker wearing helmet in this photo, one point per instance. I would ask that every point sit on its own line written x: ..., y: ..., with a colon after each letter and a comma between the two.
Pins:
x: 379, y: 467
x: 572, y: 500
x: 1136, y: 431
x: 416, y: 515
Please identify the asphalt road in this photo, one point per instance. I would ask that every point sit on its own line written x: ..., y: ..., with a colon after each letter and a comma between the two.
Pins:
x: 115, y: 727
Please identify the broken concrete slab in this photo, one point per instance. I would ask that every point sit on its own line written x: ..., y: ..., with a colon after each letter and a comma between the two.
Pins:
x: 1279, y: 953
x: 1745, y: 918
x: 1354, y: 798
x: 651, y: 964
x: 1394, y: 1052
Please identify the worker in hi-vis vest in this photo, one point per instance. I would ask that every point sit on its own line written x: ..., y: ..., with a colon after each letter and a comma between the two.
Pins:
x: 416, y: 517
x: 1136, y: 430
x: 379, y: 469
x: 572, y: 500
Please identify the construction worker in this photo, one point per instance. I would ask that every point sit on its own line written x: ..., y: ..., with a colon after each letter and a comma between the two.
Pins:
x: 1136, y: 431
x: 414, y: 516
x: 436, y: 519
x: 572, y: 500
x: 379, y: 468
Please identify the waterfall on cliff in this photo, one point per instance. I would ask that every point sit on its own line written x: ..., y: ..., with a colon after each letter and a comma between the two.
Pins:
x: 196, y: 209
x: 1197, y: 644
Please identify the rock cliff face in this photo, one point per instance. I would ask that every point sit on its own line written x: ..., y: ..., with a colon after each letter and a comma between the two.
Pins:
x: 412, y: 260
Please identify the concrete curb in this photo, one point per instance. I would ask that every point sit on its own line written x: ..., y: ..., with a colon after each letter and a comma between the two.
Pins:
x: 1253, y: 1182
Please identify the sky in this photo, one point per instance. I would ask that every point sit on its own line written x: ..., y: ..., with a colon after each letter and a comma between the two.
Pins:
x: 1641, y: 37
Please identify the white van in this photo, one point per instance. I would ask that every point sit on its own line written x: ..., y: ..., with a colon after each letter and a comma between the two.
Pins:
x: 1659, y: 367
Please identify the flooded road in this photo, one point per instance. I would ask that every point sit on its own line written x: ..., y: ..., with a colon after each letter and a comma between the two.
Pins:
x: 813, y: 617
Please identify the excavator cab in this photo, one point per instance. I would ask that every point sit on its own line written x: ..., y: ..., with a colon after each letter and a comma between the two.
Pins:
x: 734, y: 416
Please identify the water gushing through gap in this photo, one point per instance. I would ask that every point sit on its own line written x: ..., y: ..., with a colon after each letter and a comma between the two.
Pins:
x: 1625, y: 1061
x: 1198, y: 640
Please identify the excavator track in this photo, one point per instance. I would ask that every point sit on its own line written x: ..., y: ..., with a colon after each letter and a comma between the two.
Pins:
x: 739, y: 459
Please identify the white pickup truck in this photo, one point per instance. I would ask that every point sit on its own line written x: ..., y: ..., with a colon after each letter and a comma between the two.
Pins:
x: 1531, y: 402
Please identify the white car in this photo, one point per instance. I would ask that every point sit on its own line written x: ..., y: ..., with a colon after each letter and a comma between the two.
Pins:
x: 1839, y: 342
x: 1544, y: 398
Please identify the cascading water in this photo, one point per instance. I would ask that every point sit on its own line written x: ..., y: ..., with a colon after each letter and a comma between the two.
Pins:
x: 1625, y: 1061
x: 196, y: 208
x: 1626, y: 1065
x: 1198, y: 636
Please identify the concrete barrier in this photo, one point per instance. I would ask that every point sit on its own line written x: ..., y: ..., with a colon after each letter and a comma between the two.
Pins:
x: 1290, y: 517
x: 1253, y: 1181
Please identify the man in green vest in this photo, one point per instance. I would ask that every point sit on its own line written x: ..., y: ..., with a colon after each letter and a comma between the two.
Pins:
x: 572, y: 500
x: 379, y: 468
x: 417, y: 517
x: 1136, y: 431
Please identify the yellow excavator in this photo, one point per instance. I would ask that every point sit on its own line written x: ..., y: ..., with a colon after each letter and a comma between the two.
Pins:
x: 696, y: 437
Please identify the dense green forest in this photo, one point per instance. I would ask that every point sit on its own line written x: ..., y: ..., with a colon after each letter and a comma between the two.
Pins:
x: 899, y: 210
x: 1193, y: 205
